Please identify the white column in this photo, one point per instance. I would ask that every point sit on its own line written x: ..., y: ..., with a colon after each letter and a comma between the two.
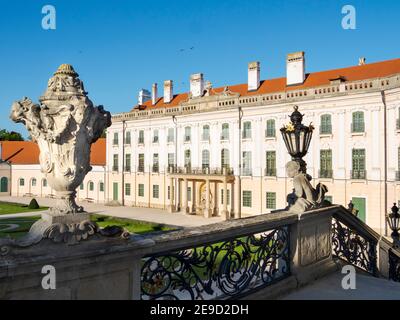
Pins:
x: 207, y: 210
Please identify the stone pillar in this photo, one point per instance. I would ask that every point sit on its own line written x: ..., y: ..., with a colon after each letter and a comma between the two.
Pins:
x: 311, y: 249
x: 194, y: 198
x: 215, y: 208
x: 207, y: 210
x: 184, y: 207
x: 171, y: 206
x: 225, y: 214
x: 238, y: 199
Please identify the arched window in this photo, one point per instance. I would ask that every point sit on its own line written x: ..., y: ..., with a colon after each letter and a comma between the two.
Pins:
x: 44, y: 183
x: 91, y: 186
x: 270, y: 130
x: 33, y: 182
x: 225, y: 158
x: 225, y: 131
x: 246, y: 130
x: 205, y: 159
x: 206, y: 133
x: 358, y: 124
x: 21, y: 182
x: 188, y: 160
x: 326, y: 124
x: 4, y: 184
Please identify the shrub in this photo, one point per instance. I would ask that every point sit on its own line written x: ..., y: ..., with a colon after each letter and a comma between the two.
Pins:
x: 33, y: 204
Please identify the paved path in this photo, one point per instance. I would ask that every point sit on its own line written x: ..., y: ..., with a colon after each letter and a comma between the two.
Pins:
x: 144, y: 214
x: 330, y: 288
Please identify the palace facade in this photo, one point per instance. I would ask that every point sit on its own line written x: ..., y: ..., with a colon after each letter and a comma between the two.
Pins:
x: 218, y: 151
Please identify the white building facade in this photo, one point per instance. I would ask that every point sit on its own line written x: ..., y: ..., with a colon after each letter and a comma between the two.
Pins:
x: 219, y: 151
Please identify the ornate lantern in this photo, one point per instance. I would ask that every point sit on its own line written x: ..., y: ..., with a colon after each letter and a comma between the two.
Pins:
x: 297, y: 138
x: 393, y: 220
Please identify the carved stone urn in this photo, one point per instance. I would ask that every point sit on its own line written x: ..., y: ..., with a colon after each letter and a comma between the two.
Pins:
x: 64, y: 125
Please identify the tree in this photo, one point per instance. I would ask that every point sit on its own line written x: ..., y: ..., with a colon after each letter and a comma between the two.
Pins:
x: 10, y: 135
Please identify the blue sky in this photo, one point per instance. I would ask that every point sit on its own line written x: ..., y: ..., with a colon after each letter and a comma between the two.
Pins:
x: 119, y: 47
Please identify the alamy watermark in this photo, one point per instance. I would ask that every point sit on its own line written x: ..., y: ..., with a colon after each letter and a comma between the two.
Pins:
x: 349, y: 280
x: 349, y: 20
x: 49, y: 19
x: 49, y: 280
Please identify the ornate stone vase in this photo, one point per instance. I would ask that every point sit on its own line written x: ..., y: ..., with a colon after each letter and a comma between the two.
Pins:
x: 64, y: 125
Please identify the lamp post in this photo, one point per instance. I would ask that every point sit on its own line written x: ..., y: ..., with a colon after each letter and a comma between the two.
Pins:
x: 297, y: 138
x: 393, y: 220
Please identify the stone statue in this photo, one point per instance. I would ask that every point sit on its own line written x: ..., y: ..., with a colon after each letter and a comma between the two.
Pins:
x: 306, y: 196
x: 64, y: 125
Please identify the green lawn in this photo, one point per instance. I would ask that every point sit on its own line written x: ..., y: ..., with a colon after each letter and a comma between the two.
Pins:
x: 134, y: 226
x: 9, y: 207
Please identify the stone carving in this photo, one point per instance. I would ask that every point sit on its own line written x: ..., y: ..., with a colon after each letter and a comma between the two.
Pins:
x: 306, y: 196
x: 64, y: 125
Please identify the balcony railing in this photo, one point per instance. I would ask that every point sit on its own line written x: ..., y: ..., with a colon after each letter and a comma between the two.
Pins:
x: 358, y: 127
x: 326, y: 174
x: 270, y: 172
x: 358, y: 174
x: 325, y: 129
x: 201, y: 171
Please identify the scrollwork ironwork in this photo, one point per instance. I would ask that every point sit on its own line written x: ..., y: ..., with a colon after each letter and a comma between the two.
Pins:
x: 222, y: 270
x: 351, y: 246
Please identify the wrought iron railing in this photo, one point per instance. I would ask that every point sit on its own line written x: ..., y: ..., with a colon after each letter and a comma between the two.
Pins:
x: 202, y: 170
x: 394, y: 265
x: 228, y: 269
x: 352, y: 243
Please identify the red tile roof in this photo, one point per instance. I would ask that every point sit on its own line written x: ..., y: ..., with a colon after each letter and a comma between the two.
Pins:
x: 355, y: 73
x: 27, y: 152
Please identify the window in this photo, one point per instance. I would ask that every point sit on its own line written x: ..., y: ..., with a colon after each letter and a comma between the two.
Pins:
x: 91, y: 186
x: 228, y: 195
x: 155, y: 162
x: 188, y: 161
x: 21, y: 182
x: 358, y: 164
x: 81, y: 186
x: 326, y: 124
x: 155, y: 136
x: 246, y: 199
x: 115, y: 162
x: 128, y: 162
x: 187, y: 134
x: 246, y: 130
x: 246, y: 163
x: 206, y: 133
x: 189, y: 194
x: 127, y: 189
x: 128, y: 137
x: 225, y: 131
x: 358, y: 122
x: 170, y: 135
x: 171, y: 160
x: 115, y: 140
x: 33, y: 182
x: 101, y: 186
x: 44, y: 183
x: 141, y: 137
x: 270, y: 163
x: 141, y: 162
x: 156, y: 191
x: 325, y: 164
x: 141, y: 190
x: 4, y: 184
x: 169, y: 192
x: 205, y: 159
x: 270, y: 200
x: 225, y: 158
x: 270, y: 131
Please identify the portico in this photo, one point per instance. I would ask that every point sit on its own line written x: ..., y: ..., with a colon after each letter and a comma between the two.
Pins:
x: 205, y: 194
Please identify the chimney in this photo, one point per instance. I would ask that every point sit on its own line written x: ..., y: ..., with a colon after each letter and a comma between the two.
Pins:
x: 197, y: 85
x: 168, y: 91
x: 144, y: 95
x: 253, y: 81
x: 295, y: 68
x: 154, y: 94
